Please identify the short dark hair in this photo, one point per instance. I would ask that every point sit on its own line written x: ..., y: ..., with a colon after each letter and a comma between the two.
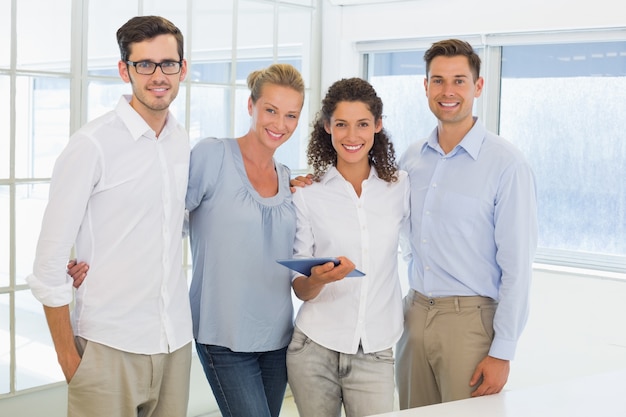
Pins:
x: 141, y: 28
x: 450, y: 48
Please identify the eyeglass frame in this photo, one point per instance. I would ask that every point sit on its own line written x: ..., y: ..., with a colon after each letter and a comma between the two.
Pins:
x: 156, y: 64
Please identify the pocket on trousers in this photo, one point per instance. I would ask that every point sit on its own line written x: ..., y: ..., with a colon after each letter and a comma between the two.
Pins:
x: 385, y: 356
x: 486, y: 318
x: 82, y: 365
x: 299, y: 342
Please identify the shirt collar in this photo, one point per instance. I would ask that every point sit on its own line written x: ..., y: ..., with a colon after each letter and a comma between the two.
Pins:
x: 471, y: 143
x: 333, y: 173
x: 136, y: 124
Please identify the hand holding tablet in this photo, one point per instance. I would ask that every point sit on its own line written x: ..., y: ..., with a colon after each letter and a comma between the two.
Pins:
x: 304, y: 265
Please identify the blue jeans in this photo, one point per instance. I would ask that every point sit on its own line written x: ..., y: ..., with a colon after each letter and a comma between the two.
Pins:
x: 245, y: 384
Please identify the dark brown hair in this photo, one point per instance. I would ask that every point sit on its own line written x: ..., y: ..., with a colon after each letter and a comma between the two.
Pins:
x: 450, y: 48
x: 141, y: 28
x: 320, y: 152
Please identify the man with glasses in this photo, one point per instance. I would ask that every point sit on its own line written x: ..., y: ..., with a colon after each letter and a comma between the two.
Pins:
x: 117, y: 195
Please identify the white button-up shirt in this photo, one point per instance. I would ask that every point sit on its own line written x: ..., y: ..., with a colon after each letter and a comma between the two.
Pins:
x: 333, y: 221
x: 117, y: 193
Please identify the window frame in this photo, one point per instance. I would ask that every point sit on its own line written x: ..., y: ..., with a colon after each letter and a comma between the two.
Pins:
x: 80, y: 77
x: 487, y: 108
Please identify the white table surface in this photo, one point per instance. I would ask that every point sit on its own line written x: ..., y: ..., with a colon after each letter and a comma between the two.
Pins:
x: 602, y: 395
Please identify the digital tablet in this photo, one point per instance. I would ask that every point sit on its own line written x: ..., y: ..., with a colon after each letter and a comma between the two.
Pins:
x: 304, y: 265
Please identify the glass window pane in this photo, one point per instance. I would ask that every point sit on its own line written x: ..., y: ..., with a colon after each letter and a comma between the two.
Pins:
x: 42, y: 124
x: 36, y: 360
x: 5, y: 344
x: 398, y: 78
x: 5, y: 243
x: 30, y: 203
x: 246, y: 66
x: 36, y: 20
x: 105, y: 18
x: 5, y: 126
x: 294, y: 38
x: 398, y: 63
x: 211, y: 54
x: 103, y: 96
x: 210, y: 113
x: 254, y: 44
x: 299, y: 2
x: 5, y: 34
x: 563, y: 106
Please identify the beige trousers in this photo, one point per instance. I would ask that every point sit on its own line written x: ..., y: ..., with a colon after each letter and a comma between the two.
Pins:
x: 443, y: 341
x: 110, y: 382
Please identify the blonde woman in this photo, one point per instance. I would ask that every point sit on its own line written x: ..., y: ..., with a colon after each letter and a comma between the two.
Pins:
x: 241, y: 220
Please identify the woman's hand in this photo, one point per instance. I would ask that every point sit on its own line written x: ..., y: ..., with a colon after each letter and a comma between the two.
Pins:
x: 300, y: 181
x: 78, y: 271
x: 307, y: 288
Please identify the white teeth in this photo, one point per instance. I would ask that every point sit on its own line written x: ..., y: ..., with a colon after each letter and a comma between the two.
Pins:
x: 353, y: 148
x: 276, y: 135
x: 448, y: 104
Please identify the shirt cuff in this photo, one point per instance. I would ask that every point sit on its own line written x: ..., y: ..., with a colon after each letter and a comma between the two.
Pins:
x: 503, y: 349
x: 51, y: 296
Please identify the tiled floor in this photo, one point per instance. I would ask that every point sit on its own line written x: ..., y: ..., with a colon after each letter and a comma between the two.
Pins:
x: 577, y: 327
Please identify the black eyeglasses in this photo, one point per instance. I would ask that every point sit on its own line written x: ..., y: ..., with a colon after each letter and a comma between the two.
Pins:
x: 148, y: 67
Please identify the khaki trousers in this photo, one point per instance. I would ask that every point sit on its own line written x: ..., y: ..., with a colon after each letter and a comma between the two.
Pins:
x: 443, y: 341
x: 110, y: 382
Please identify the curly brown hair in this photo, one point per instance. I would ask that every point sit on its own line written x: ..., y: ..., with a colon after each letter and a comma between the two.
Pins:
x: 320, y: 152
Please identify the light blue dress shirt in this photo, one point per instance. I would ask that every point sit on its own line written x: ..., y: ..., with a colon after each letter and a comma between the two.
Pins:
x: 240, y: 296
x: 474, y: 226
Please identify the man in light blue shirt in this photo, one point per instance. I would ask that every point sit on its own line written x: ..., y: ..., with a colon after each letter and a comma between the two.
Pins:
x: 472, y: 242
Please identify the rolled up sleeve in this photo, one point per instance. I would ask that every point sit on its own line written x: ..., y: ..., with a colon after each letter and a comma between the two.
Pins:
x: 74, y: 176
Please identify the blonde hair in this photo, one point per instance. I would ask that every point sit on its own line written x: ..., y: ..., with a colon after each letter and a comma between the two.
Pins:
x: 277, y: 74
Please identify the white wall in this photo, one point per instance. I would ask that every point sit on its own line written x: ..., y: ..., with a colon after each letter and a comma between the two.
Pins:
x: 344, y: 26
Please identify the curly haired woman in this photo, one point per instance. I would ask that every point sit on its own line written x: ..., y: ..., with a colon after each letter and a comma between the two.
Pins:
x: 341, y: 352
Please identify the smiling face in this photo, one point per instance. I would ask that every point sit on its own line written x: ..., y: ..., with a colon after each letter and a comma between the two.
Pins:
x: 153, y: 94
x: 352, y: 127
x: 275, y: 114
x: 451, y: 89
